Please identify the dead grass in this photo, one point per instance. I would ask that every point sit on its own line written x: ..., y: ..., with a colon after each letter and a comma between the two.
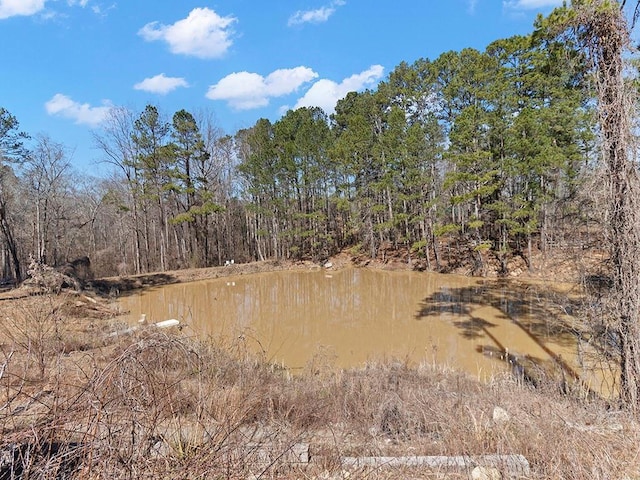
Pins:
x: 163, y: 405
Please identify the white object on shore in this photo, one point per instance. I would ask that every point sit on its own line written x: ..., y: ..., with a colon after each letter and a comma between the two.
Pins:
x: 172, y: 322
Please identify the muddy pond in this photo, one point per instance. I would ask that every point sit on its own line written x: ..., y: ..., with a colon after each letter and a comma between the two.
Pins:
x: 346, y: 318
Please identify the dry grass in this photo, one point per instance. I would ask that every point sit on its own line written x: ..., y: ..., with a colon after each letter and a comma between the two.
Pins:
x: 163, y: 405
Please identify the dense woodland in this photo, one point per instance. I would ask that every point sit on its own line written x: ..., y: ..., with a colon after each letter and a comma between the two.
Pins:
x: 493, y: 150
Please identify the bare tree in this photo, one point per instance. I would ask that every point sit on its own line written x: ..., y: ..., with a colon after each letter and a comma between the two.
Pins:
x: 12, y: 151
x: 118, y: 148
x: 46, y: 173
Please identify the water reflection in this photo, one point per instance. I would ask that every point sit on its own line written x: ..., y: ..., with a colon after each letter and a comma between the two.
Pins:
x: 358, y: 315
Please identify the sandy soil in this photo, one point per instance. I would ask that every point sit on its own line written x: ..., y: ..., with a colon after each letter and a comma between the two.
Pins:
x: 558, y: 266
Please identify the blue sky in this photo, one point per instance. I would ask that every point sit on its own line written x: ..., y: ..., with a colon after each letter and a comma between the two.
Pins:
x: 66, y: 62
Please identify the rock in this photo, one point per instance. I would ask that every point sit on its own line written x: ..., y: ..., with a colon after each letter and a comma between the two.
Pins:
x: 501, y: 416
x: 516, y: 272
x: 486, y: 473
x: 160, y: 449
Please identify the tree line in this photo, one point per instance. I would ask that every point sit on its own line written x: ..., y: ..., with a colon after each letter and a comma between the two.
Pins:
x: 485, y: 149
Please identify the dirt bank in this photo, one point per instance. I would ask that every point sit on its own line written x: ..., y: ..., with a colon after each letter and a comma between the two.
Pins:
x: 567, y: 265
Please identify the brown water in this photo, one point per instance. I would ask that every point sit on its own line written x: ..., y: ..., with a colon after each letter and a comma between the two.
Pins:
x: 352, y: 316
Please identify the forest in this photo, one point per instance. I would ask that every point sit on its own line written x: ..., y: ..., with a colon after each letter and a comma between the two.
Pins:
x: 492, y: 151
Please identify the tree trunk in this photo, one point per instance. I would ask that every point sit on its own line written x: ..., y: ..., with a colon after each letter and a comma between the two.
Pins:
x: 11, y: 244
x: 608, y: 31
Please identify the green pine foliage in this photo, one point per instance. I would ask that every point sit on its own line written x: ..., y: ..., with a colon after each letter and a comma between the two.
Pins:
x: 489, y: 147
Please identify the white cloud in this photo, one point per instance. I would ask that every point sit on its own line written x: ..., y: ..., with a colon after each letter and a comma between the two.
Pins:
x: 82, y: 113
x: 326, y: 93
x: 531, y: 4
x: 319, y: 15
x: 203, y: 34
x: 101, y: 10
x: 283, y: 110
x: 161, y: 84
x: 12, y: 8
x: 245, y: 90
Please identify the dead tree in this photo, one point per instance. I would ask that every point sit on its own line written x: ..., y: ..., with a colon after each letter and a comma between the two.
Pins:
x: 603, y: 30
